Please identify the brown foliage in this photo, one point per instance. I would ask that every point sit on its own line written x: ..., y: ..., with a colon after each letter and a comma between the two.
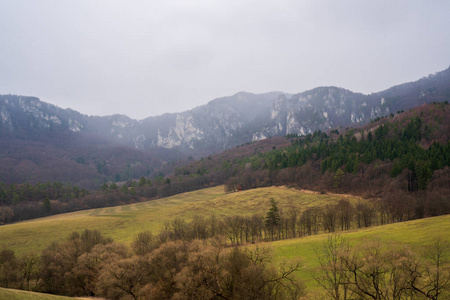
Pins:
x: 376, y: 271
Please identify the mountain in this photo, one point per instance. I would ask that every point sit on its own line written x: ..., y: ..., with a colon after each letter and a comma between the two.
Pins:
x: 35, y: 135
x: 324, y: 108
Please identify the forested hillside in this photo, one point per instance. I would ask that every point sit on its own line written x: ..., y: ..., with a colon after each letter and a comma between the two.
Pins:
x: 404, y: 156
x: 40, y: 142
x: 403, y: 159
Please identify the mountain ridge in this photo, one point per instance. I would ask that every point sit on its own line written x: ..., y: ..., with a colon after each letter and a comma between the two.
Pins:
x: 220, y: 124
x: 229, y: 121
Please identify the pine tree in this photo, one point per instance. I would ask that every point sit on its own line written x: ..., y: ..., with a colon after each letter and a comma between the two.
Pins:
x: 47, y: 205
x: 272, y: 217
x: 338, y: 178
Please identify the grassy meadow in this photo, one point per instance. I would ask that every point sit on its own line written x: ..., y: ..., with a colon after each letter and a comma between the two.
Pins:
x: 123, y: 223
x: 416, y: 234
x: 11, y: 294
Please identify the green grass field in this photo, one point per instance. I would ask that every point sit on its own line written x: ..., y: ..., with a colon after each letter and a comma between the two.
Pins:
x: 123, y: 223
x: 416, y: 234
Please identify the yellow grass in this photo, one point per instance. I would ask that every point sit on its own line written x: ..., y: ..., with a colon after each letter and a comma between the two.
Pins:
x: 123, y: 223
x: 10, y: 294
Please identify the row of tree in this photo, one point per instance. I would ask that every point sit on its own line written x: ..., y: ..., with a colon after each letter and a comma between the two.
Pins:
x: 88, y: 264
x: 293, y: 222
x: 92, y: 265
x: 23, y: 202
x: 11, y: 194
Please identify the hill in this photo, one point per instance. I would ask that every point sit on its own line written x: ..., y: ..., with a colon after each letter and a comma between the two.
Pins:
x: 404, y: 153
x: 12, y: 294
x: 417, y: 234
x: 124, y: 223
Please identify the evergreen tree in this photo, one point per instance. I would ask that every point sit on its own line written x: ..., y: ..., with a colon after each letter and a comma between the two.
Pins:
x: 47, y: 205
x: 338, y: 178
x: 142, y: 181
x: 272, y: 218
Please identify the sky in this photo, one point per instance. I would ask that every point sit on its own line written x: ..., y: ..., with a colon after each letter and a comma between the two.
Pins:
x: 146, y: 58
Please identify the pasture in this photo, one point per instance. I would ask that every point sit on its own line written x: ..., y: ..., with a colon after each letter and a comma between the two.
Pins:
x: 123, y: 223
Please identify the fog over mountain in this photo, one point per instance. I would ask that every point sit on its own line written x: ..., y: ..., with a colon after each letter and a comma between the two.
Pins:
x: 42, y: 142
x: 228, y: 121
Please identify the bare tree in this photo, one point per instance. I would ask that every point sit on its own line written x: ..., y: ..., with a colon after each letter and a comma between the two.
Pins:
x: 376, y: 272
x: 333, y: 275
x: 365, y: 214
x: 344, y: 212
x: 431, y: 278
x: 122, y: 278
x: 329, y: 218
x: 144, y: 243
x: 292, y: 216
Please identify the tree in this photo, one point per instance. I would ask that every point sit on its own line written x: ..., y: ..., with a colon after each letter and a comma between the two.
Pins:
x: 47, y: 205
x: 142, y: 181
x: 344, y: 214
x: 364, y: 214
x: 337, y: 179
x: 59, y: 262
x: 90, y: 264
x: 329, y: 218
x: 272, y: 218
x: 292, y: 218
x: 332, y: 275
x: 144, y: 243
x: 215, y: 273
x: 6, y: 214
x: 124, y: 189
x: 430, y: 277
x: 9, y: 269
x: 122, y: 278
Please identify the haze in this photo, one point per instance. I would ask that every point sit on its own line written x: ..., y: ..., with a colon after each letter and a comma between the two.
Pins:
x: 145, y: 58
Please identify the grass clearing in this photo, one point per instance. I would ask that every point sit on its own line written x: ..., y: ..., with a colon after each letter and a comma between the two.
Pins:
x: 416, y: 233
x: 123, y: 223
x: 11, y: 294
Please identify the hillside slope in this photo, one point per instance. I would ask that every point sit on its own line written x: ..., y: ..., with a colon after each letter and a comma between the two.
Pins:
x: 122, y: 223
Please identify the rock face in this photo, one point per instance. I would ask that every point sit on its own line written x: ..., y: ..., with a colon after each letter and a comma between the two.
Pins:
x: 319, y: 109
x: 224, y: 122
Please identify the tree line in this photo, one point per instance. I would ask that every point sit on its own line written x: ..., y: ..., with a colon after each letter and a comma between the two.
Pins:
x: 89, y: 264
x: 25, y: 201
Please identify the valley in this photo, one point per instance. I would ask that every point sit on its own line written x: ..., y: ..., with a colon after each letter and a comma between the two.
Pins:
x: 225, y: 150
x: 265, y: 197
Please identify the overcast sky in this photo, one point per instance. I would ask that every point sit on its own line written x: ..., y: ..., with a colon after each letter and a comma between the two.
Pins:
x: 145, y: 58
